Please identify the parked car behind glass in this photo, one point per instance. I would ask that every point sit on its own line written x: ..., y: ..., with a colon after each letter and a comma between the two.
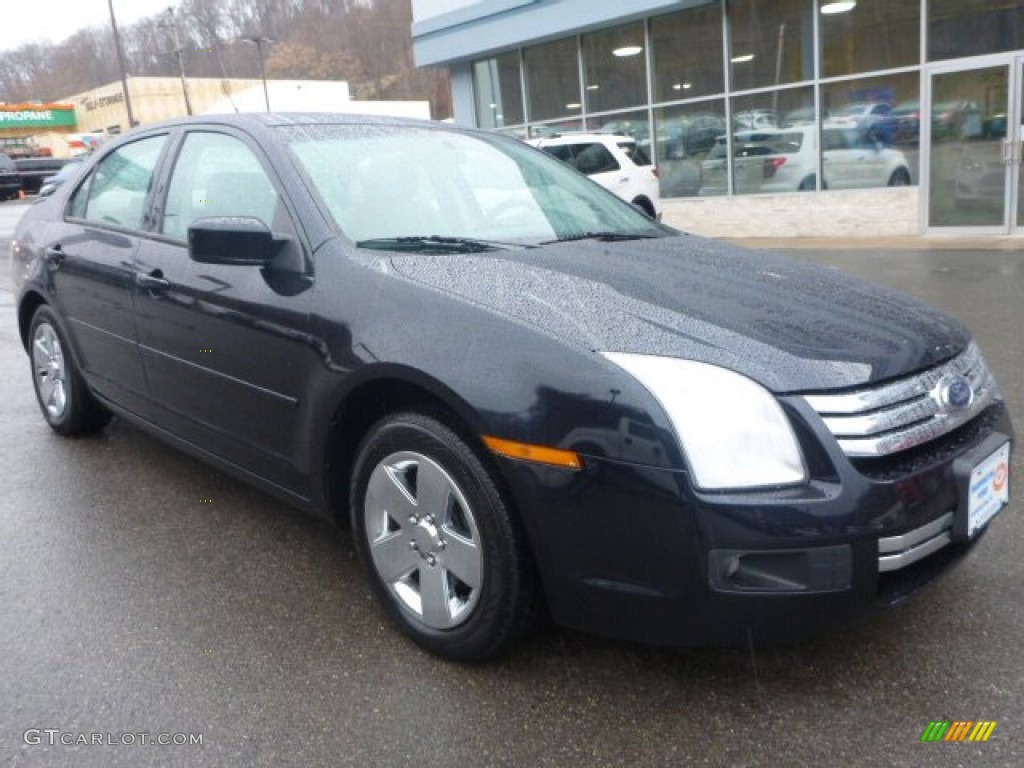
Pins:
x: 10, y: 181
x: 523, y: 394
x: 784, y: 160
x: 872, y: 120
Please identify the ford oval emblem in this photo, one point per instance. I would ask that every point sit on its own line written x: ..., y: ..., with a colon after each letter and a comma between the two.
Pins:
x: 955, y: 392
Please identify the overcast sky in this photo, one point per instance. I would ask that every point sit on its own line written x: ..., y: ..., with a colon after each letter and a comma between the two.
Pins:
x: 28, y: 21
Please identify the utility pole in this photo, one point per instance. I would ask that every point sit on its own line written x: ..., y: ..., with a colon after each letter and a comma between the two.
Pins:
x: 120, y: 63
x: 259, y: 43
x: 172, y: 23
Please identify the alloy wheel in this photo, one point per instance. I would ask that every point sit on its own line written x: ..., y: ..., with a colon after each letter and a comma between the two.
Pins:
x: 50, y: 370
x: 423, y: 539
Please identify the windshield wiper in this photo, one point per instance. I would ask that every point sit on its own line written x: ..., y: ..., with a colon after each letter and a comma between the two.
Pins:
x: 437, y: 243
x: 603, y: 236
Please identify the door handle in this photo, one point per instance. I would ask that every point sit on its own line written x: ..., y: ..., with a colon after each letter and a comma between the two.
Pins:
x: 154, y: 279
x: 1010, y: 155
x: 55, y: 256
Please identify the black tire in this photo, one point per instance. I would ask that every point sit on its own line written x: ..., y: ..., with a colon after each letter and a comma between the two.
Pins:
x: 808, y: 184
x: 899, y: 178
x: 478, y: 621
x: 67, y: 405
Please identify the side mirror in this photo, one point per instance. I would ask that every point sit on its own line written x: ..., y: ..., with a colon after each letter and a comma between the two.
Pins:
x: 233, y: 241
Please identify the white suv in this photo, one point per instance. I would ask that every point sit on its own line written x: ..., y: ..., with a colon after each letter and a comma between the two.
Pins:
x: 617, y: 163
x: 783, y: 159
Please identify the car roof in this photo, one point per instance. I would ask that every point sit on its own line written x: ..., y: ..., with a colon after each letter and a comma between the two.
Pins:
x: 293, y: 118
x: 263, y: 122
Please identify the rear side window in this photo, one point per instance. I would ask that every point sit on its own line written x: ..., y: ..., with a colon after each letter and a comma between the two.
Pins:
x: 776, y: 143
x: 593, y: 158
x: 116, y: 191
x: 635, y: 152
x: 833, y: 140
x: 6, y: 164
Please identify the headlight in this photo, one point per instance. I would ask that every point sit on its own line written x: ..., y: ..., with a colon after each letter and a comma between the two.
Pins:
x: 732, y: 430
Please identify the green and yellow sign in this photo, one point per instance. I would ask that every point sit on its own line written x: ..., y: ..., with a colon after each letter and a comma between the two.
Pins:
x: 37, y: 116
x: 958, y: 730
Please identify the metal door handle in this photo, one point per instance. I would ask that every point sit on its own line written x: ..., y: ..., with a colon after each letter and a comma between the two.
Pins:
x: 154, y: 279
x: 1010, y: 155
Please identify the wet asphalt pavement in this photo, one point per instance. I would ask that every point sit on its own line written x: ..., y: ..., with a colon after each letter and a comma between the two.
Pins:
x: 142, y: 592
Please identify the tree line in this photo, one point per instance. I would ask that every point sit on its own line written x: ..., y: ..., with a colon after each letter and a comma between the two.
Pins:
x: 365, y: 42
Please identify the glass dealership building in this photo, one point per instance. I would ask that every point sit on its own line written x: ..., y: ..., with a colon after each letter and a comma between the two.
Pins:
x: 917, y: 102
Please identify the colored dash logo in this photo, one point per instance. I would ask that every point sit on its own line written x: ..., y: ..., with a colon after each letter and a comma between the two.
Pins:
x: 958, y: 730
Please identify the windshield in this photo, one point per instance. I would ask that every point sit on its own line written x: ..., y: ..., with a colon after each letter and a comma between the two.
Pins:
x: 383, y: 182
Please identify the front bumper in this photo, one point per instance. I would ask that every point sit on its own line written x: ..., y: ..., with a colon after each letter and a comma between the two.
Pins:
x: 633, y: 552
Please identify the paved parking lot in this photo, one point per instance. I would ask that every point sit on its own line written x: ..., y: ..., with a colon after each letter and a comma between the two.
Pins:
x: 141, y: 592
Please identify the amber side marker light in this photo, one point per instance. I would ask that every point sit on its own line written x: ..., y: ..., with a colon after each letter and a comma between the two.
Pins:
x: 535, y: 453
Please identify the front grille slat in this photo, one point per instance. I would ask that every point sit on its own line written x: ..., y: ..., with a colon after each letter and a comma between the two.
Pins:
x: 904, y: 414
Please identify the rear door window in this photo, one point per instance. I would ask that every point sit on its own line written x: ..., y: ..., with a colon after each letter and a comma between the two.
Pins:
x: 593, y: 158
x: 116, y: 191
x: 634, y: 152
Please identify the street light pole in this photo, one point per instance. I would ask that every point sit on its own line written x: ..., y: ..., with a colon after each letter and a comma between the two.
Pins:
x: 259, y: 42
x: 120, y: 63
x: 172, y: 22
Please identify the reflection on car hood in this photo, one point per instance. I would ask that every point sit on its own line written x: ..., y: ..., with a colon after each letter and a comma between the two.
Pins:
x: 790, y: 325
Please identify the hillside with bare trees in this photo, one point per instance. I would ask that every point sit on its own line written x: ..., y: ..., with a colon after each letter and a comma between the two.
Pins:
x: 365, y: 42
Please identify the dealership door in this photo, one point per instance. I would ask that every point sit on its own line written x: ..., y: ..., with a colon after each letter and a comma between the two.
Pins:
x: 973, y: 143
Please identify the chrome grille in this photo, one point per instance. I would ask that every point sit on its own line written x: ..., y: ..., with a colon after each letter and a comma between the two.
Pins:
x: 906, y: 413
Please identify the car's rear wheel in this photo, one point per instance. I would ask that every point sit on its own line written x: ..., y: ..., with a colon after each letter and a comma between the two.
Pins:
x: 899, y: 178
x: 67, y: 405
x: 646, y: 206
x: 443, y: 549
x: 809, y: 183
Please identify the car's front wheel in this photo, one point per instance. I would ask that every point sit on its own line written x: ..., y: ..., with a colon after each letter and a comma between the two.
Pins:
x: 67, y: 405
x: 444, y: 551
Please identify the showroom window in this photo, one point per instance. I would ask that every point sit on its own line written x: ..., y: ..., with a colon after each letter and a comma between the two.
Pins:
x: 959, y: 28
x: 774, y: 143
x: 635, y: 124
x: 685, y: 136
x: 793, y: 67
x: 883, y: 114
x: 554, y: 128
x: 771, y: 43
x: 498, y: 91
x: 686, y: 48
x: 614, y: 67
x: 552, y: 80
x: 869, y: 35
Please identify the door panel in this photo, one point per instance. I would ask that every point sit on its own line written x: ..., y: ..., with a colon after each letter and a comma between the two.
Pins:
x: 225, y: 348
x: 227, y: 358
x: 93, y: 277
x: 90, y: 263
